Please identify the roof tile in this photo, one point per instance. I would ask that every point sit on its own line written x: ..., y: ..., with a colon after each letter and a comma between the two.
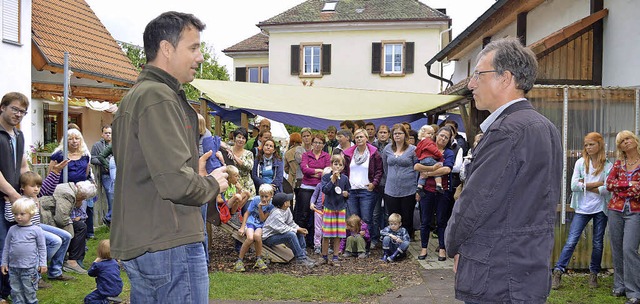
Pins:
x: 256, y: 43
x: 71, y: 25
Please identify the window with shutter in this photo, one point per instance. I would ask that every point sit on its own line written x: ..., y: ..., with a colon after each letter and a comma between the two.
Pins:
x: 393, y: 58
x: 11, y: 21
x: 376, y: 57
x: 295, y: 59
x: 326, y: 59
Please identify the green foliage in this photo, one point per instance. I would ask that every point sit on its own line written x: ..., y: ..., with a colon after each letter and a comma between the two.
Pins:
x: 209, y: 69
x: 279, y: 287
x: 575, y: 290
x: 135, y: 54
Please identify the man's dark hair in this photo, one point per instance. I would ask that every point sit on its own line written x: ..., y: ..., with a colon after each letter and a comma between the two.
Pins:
x: 105, y: 127
x: 359, y: 123
x: 511, y: 55
x: 168, y: 26
x: 349, y: 124
x: 11, y: 96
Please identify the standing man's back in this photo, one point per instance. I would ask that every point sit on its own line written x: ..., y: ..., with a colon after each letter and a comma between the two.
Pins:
x: 157, y: 228
x: 501, y: 230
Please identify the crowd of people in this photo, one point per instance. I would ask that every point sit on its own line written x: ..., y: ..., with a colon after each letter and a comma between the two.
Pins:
x: 342, y: 192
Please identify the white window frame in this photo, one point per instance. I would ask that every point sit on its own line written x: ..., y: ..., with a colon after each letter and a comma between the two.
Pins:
x: 394, y: 53
x: 308, y: 64
x: 11, y: 21
x: 260, y: 70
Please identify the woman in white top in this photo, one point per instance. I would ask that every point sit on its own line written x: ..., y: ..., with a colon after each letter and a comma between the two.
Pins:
x: 589, y: 200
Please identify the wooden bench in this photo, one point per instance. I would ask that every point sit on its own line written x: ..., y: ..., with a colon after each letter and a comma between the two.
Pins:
x: 277, y: 254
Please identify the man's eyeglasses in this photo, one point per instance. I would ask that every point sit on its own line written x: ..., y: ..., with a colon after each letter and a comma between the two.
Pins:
x: 18, y: 111
x: 476, y: 74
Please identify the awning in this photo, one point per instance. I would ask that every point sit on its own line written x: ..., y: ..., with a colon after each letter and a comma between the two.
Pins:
x: 318, y: 107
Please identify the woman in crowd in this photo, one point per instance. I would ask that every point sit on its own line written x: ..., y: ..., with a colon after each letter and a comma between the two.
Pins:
x: 589, y: 200
x: 78, y: 169
x: 435, y: 201
x: 399, y: 159
x: 379, y: 211
x: 292, y: 159
x: 268, y: 167
x: 312, y: 166
x: 363, y: 166
x: 624, y: 217
x: 243, y: 159
x: 307, y: 139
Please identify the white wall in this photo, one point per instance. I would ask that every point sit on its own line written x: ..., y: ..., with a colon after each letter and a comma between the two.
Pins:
x: 351, y: 59
x: 15, y: 63
x: 621, y: 55
x: 553, y: 15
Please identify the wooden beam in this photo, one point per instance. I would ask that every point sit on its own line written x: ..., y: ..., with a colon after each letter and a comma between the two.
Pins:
x: 93, y: 93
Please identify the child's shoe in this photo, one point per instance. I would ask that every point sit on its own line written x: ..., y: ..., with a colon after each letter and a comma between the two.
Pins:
x: 324, y: 260
x: 439, y: 188
x: 330, y: 250
x: 260, y: 264
x: 335, y: 261
x: 317, y: 250
x: 347, y: 254
x: 362, y: 255
x: 384, y: 257
x: 239, y: 266
x: 393, y: 257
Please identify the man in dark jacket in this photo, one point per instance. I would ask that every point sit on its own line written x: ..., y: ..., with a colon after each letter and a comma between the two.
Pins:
x: 157, y: 228
x: 105, y: 178
x: 501, y: 231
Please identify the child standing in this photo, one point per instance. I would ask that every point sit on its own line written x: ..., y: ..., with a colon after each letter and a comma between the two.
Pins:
x: 107, y: 273
x: 358, y: 238
x: 257, y: 212
x: 317, y: 203
x: 335, y: 187
x: 25, y: 253
x: 395, y: 240
x: 428, y: 155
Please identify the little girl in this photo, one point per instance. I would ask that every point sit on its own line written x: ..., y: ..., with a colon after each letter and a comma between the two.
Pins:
x: 25, y: 253
x: 316, y: 205
x: 335, y: 187
x: 358, y: 238
x: 257, y: 212
x: 107, y: 273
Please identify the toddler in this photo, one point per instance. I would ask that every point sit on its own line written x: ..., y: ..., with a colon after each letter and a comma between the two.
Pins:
x: 335, y: 187
x: 107, y: 273
x: 358, y: 238
x: 428, y: 155
x: 317, y: 203
x: 257, y: 212
x: 395, y: 239
x: 25, y: 253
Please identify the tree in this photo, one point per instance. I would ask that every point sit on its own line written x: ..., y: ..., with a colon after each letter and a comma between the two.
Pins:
x: 209, y: 69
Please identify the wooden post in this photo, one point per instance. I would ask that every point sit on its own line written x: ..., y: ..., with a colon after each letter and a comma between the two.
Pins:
x: 218, y: 125
x: 244, y: 121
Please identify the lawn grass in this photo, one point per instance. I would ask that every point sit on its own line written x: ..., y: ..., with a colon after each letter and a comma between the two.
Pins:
x: 233, y: 286
x: 575, y: 290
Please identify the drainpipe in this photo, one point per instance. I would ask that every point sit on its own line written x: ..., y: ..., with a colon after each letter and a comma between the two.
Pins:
x: 432, y: 61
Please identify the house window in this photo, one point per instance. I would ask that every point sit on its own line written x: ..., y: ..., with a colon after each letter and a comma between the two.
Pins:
x: 311, y: 60
x: 255, y: 74
x: 53, y: 124
x: 393, y: 58
x: 265, y: 74
x: 11, y: 21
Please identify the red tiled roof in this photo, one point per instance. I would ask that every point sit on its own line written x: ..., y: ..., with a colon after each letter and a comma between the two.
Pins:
x: 72, y: 26
x: 256, y: 43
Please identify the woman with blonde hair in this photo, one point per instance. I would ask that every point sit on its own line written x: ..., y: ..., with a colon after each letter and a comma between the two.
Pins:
x: 589, y: 200
x: 624, y: 217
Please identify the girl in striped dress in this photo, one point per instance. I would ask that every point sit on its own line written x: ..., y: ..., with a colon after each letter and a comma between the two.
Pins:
x: 335, y: 187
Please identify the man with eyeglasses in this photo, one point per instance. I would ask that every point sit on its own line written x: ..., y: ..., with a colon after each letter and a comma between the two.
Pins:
x: 13, y: 108
x: 501, y: 231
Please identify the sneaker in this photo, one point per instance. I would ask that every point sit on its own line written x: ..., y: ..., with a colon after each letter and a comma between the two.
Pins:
x: 335, y: 262
x: 373, y: 246
x: 91, y: 236
x: 317, y: 250
x: 305, y: 262
x: 439, y: 189
x: 260, y: 264
x: 330, y: 251
x: 593, y: 280
x: 235, y: 220
x: 347, y: 254
x: 618, y: 293
x: 43, y: 285
x: 323, y: 261
x: 106, y: 222
x: 633, y: 301
x: 362, y: 255
x: 384, y: 258
x: 62, y: 277
x: 239, y: 266
x: 556, y: 278
x: 77, y: 269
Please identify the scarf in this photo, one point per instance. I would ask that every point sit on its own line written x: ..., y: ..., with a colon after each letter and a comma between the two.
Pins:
x: 360, y: 158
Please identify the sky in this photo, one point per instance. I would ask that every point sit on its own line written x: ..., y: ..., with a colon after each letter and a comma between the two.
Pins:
x: 229, y: 22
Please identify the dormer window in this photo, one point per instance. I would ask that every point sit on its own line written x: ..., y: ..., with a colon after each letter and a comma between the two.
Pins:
x: 330, y: 6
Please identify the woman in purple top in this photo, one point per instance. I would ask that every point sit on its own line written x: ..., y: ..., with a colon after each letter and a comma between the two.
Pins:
x: 78, y: 154
x: 312, y: 165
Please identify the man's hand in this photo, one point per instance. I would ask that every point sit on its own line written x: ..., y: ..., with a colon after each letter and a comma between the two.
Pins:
x: 220, y: 175
x: 57, y: 167
x: 202, y: 163
x: 5, y: 269
x: 455, y: 262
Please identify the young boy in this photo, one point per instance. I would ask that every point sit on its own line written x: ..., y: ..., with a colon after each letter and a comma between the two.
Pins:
x: 279, y: 228
x: 252, y: 224
x: 395, y: 240
x: 24, y: 246
x: 428, y: 155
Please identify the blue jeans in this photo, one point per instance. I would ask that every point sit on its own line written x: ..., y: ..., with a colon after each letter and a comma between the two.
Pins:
x: 361, y: 202
x: 378, y: 221
x: 430, y: 203
x: 295, y: 242
x: 107, y: 184
x: 24, y: 283
x: 95, y: 297
x: 203, y: 209
x: 388, y: 244
x: 578, y: 224
x: 61, y: 238
x: 176, y: 275
x: 624, y: 231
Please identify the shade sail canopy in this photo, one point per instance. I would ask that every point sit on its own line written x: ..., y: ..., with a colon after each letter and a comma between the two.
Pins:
x: 319, y: 107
